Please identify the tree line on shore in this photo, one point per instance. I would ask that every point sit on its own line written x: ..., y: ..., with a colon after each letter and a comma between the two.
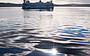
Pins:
x: 62, y: 5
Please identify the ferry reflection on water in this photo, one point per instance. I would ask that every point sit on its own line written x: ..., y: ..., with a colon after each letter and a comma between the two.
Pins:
x: 44, y: 33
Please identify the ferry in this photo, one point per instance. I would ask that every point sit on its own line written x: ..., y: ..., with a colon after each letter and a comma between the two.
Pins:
x: 37, y: 5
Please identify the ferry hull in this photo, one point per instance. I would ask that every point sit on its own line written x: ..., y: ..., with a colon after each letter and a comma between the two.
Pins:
x: 37, y: 7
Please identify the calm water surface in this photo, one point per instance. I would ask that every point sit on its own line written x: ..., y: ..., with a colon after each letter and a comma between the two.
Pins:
x: 62, y: 32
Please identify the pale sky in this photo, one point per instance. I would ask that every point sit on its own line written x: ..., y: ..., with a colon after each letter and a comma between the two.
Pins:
x: 55, y: 1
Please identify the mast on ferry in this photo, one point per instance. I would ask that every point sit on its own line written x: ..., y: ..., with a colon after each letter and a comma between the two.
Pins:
x: 51, y: 1
x: 24, y: 1
x: 40, y: 1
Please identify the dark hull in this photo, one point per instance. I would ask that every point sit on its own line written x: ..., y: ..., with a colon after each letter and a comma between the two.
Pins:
x: 43, y: 7
x: 38, y: 8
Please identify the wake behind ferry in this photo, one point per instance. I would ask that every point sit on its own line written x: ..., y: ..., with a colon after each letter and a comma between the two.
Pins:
x: 37, y: 5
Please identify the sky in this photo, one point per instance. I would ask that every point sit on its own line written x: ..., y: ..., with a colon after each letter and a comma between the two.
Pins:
x: 54, y: 1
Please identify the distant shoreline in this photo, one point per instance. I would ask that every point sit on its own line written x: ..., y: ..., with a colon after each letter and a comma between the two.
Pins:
x: 73, y: 5
x: 10, y: 5
x: 65, y: 5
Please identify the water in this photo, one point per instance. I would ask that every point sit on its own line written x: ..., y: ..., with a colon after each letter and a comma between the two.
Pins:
x: 62, y: 32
